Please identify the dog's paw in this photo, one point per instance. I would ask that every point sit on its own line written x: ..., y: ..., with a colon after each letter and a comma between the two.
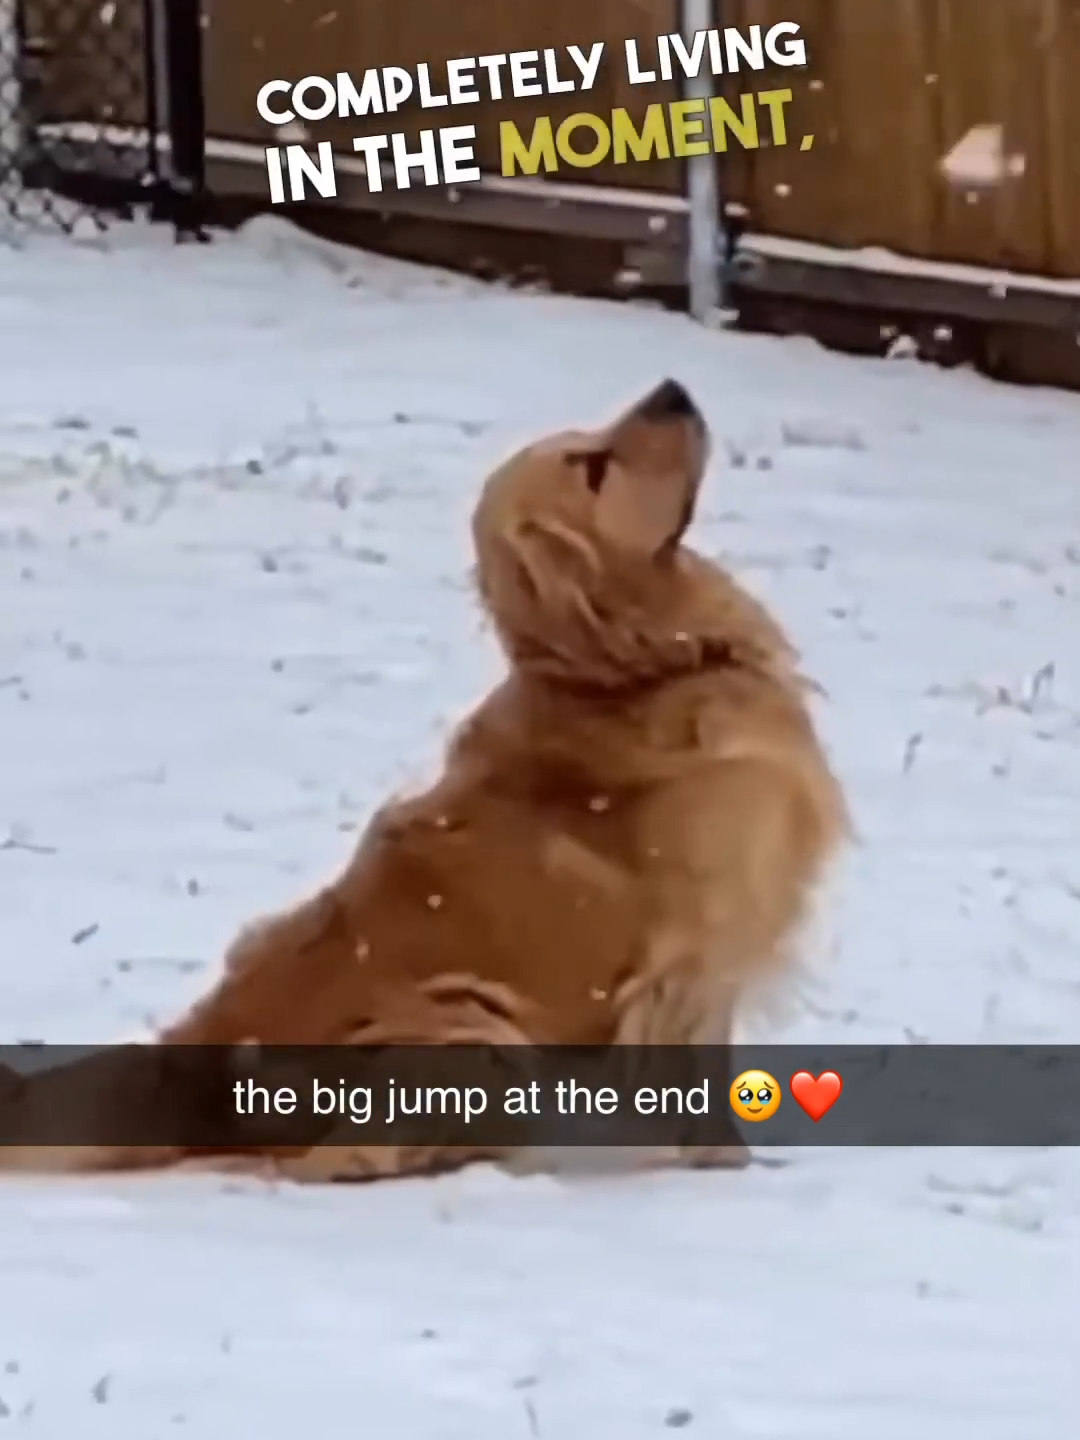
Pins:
x: 338, y: 1164
x: 735, y: 1156
x: 262, y: 1167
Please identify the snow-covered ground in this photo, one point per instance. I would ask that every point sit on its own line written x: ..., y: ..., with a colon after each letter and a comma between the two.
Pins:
x: 234, y: 613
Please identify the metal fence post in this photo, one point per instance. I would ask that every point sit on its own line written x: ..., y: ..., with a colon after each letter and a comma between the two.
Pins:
x: 705, y: 225
x: 177, y: 26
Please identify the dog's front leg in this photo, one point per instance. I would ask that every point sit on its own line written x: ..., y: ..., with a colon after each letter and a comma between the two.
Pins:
x: 680, y: 1008
x: 730, y: 1150
x: 332, y: 1163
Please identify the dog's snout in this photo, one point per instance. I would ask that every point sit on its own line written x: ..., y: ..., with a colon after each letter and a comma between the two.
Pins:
x: 669, y: 401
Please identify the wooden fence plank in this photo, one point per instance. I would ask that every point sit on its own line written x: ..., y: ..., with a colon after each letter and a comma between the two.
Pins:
x: 990, y: 60
x: 1061, y: 56
x: 296, y: 40
x: 890, y: 141
x: 787, y: 191
x: 867, y: 99
x: 245, y: 44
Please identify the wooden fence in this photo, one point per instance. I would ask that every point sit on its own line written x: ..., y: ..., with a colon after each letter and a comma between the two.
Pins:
x: 292, y: 41
x: 890, y: 87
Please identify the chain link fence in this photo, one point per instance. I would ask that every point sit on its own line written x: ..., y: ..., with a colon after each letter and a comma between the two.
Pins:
x: 78, y: 123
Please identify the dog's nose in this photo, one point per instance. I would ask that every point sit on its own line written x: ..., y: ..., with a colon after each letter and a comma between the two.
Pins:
x: 669, y: 401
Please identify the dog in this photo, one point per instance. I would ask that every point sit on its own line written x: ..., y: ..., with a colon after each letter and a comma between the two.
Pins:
x: 627, y: 831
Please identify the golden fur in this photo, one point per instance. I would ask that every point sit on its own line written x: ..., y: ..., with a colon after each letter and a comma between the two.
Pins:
x: 626, y: 831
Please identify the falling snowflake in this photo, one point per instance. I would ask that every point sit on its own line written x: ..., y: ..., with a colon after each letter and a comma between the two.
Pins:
x: 902, y: 348
x: 979, y: 160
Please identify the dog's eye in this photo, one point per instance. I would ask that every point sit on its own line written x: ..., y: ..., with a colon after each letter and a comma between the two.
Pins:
x: 594, y: 465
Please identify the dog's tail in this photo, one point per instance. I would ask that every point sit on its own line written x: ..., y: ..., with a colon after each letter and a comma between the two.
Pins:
x: 156, y: 1106
x: 109, y: 1109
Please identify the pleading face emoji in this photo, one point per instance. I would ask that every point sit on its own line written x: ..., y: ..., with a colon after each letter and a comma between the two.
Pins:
x: 755, y: 1095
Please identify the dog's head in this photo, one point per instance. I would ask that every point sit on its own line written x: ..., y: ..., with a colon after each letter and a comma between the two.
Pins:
x: 580, y: 555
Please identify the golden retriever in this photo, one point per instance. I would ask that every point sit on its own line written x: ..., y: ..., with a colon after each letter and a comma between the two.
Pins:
x: 626, y: 831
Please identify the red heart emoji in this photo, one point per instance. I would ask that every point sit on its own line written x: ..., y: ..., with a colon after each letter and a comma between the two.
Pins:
x: 817, y: 1097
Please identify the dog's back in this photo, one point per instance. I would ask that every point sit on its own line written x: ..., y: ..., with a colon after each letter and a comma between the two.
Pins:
x: 583, y: 859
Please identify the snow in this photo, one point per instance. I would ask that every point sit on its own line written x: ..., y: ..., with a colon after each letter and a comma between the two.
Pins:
x: 234, y: 614
x: 887, y: 262
x: 979, y: 160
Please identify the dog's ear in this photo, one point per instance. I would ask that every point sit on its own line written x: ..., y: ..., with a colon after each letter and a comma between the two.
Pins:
x: 654, y: 460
